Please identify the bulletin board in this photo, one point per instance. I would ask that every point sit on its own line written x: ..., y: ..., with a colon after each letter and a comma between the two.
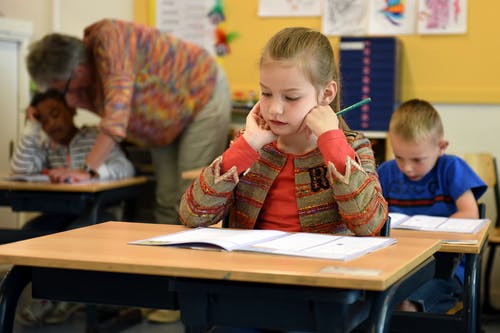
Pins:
x: 440, y: 68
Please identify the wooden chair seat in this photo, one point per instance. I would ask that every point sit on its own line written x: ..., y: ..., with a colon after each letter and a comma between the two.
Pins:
x: 494, y: 236
x: 484, y: 164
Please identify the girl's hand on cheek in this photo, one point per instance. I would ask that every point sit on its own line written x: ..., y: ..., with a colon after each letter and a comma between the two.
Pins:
x: 321, y: 119
x: 257, y: 132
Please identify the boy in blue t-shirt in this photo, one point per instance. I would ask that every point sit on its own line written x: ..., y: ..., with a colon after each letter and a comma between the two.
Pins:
x: 422, y: 179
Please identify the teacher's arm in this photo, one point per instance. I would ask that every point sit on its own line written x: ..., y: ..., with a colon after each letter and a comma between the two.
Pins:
x: 103, y: 146
x: 114, y: 57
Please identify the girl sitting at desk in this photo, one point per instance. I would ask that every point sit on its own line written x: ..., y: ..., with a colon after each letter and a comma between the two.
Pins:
x: 297, y: 166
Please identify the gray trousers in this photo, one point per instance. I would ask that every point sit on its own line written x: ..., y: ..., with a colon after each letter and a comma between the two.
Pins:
x: 198, y: 145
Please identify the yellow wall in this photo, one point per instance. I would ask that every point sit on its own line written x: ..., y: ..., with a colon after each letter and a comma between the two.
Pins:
x: 442, y: 68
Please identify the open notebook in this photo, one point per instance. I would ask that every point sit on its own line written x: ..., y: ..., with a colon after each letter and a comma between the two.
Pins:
x: 436, y: 223
x: 273, y: 242
x: 36, y: 178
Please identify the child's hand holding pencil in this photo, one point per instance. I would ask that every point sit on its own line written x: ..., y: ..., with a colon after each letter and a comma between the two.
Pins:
x: 322, y: 118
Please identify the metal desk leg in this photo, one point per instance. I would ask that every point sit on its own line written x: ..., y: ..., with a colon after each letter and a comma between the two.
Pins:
x: 488, y: 307
x: 11, y: 287
x: 471, y: 301
x: 380, y: 317
x: 95, y: 207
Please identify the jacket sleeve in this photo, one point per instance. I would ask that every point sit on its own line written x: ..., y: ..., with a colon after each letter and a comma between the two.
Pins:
x: 112, y: 51
x: 30, y: 156
x: 358, y: 191
x: 208, y: 198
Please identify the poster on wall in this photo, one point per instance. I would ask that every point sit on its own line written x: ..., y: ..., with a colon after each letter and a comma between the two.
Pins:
x: 276, y: 8
x: 395, y: 17
x: 345, y: 17
x: 442, y: 17
x: 188, y: 20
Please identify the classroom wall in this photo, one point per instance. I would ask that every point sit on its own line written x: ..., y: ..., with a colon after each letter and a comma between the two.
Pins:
x: 468, y: 127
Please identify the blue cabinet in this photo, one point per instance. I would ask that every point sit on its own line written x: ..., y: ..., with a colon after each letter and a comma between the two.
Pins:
x: 369, y: 67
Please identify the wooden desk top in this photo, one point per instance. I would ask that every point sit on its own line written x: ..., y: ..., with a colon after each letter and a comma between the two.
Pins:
x: 103, y: 247
x: 89, y: 187
x: 191, y: 174
x: 481, y: 236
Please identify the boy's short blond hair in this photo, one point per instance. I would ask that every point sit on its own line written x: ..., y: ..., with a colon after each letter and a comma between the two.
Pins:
x: 415, y: 120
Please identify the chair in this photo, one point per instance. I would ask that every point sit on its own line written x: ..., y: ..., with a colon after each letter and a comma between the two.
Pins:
x: 484, y: 164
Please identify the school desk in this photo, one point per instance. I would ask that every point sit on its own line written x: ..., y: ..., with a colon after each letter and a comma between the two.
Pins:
x: 95, y: 264
x: 469, y: 319
x: 68, y: 198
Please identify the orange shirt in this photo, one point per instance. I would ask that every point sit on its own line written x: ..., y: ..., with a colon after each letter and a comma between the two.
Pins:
x: 279, y: 211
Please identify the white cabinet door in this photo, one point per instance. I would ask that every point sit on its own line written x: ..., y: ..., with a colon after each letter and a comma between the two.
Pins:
x: 9, y: 111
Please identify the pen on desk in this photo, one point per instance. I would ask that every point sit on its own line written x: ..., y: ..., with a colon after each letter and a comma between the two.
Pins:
x: 355, y: 105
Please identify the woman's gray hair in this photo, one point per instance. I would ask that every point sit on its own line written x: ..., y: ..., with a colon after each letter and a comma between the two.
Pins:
x: 54, y: 57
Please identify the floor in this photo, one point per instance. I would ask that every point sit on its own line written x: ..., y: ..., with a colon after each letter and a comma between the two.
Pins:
x: 76, y: 324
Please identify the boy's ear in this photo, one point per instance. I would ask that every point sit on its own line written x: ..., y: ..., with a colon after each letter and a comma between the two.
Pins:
x: 328, y: 93
x: 443, y: 144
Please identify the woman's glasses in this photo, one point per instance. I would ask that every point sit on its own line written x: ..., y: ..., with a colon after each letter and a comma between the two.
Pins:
x: 66, y: 87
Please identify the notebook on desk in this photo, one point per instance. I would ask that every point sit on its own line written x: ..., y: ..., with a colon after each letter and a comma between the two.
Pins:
x: 436, y: 223
x: 301, y: 244
x: 35, y: 178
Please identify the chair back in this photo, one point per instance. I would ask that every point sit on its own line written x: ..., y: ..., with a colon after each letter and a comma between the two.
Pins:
x: 386, y: 228
x: 484, y: 164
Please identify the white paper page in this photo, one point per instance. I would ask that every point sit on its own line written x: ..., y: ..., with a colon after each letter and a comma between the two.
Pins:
x: 442, y: 17
x: 345, y: 17
x: 228, y: 239
x: 188, y: 20
x: 289, y: 8
x: 393, y: 19
x: 423, y: 222
x: 297, y: 242
x: 461, y: 225
x: 350, y: 246
x: 29, y: 178
x: 397, y: 218
x: 321, y: 246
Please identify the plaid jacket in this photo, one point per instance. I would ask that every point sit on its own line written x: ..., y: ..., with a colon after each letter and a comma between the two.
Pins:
x: 328, y: 202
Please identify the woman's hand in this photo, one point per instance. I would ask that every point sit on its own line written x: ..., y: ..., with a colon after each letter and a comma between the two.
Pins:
x: 321, y: 119
x: 257, y: 131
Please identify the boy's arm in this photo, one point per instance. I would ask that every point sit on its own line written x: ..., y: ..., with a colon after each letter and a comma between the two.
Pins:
x: 466, y: 206
x: 30, y: 157
x: 116, y: 166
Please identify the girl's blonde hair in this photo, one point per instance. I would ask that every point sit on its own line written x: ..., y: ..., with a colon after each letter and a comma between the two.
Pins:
x: 312, y: 52
x: 415, y: 120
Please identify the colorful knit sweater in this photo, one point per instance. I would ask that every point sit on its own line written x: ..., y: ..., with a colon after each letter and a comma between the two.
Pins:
x: 149, y: 84
x: 351, y: 204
